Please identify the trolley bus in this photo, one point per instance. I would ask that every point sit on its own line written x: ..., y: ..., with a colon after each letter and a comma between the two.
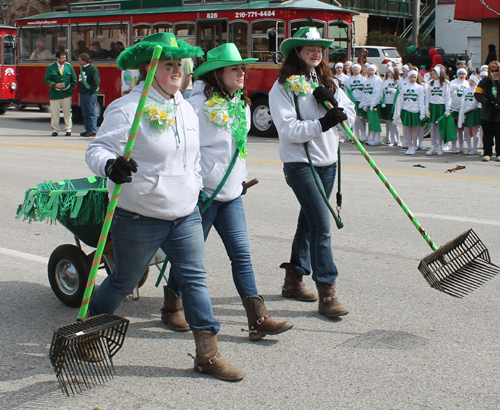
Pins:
x: 104, y: 28
x: 7, y: 67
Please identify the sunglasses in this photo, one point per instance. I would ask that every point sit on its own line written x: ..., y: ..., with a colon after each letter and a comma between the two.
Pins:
x: 494, y: 71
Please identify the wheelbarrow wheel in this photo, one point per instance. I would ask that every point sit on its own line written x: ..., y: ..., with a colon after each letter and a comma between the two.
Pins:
x: 68, y: 272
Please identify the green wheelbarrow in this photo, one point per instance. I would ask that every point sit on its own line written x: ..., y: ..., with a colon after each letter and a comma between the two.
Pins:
x: 80, y: 206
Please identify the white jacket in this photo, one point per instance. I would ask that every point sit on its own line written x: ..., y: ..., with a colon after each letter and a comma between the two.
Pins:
x: 356, y: 84
x: 468, y: 103
x: 438, y: 94
x: 342, y: 78
x: 412, y: 99
x: 390, y: 88
x: 373, y: 92
x: 457, y: 88
x: 167, y: 183
x: 293, y: 132
x: 217, y: 150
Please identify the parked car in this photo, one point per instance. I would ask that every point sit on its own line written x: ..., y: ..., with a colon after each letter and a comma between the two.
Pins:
x: 336, y: 54
x: 449, y: 59
x: 380, y: 56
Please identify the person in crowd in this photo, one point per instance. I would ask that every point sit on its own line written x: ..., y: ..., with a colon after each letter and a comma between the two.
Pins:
x: 438, y: 102
x: 411, y: 110
x: 158, y: 206
x: 492, y: 54
x: 222, y: 106
x: 187, y: 77
x: 60, y: 77
x: 470, y: 115
x: 401, y: 83
x: 457, y: 87
x: 363, y: 57
x: 436, y: 58
x: 116, y: 49
x: 347, y: 68
x: 422, y: 71
x: 372, y: 98
x: 81, y: 47
x: 387, y: 112
x: 412, y: 57
x: 487, y: 93
x: 339, y: 74
x: 354, y: 87
x: 40, y: 52
x: 297, y: 103
x: 98, y: 53
x: 88, y: 86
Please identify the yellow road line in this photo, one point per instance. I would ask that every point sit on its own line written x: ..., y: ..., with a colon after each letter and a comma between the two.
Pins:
x: 56, y: 145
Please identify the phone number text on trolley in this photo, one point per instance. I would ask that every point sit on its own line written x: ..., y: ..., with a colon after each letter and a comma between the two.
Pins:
x: 246, y: 14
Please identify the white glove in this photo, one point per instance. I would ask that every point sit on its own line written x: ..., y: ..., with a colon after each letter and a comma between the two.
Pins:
x: 372, y: 107
x: 383, y: 105
x: 447, y: 113
x: 422, y: 116
x: 428, y: 114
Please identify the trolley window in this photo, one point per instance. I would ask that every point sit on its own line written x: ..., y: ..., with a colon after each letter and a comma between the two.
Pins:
x: 338, y: 31
x: 42, y: 42
x: 186, y: 31
x: 99, y: 41
x: 264, y: 40
x: 238, y: 34
x: 8, y: 49
x: 139, y: 31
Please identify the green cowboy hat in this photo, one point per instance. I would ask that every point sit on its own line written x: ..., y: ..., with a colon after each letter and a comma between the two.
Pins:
x: 143, y: 51
x: 223, y: 56
x: 303, y: 37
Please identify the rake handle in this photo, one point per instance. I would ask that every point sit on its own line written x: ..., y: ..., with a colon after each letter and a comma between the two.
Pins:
x: 381, y: 175
x: 116, y: 191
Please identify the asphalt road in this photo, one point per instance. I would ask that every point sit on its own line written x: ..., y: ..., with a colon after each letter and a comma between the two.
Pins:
x: 403, y: 345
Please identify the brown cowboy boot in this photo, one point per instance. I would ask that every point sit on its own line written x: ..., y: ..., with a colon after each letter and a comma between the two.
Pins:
x: 260, y: 323
x: 329, y: 305
x: 294, y: 286
x: 209, y: 360
x: 171, y: 312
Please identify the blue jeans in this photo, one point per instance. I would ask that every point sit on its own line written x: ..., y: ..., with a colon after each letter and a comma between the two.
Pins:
x: 88, y: 104
x: 311, y: 245
x: 228, y: 218
x: 136, y: 238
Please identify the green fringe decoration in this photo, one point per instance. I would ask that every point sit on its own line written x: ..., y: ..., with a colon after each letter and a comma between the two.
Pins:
x: 84, y: 201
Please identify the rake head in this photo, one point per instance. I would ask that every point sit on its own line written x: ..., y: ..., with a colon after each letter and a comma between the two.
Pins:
x: 460, y: 266
x: 81, y: 353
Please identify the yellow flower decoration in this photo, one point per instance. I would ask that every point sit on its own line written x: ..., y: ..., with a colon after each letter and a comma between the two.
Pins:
x: 306, y: 87
x: 296, y: 87
x: 225, y: 118
x: 210, y: 103
x: 172, y: 121
x: 163, y: 115
x: 153, y: 111
x: 213, y: 116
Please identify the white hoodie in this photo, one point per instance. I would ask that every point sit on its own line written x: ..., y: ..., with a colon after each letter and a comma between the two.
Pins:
x: 293, y: 132
x: 217, y: 150
x: 373, y: 92
x: 389, y: 90
x: 469, y: 103
x: 457, y: 88
x: 167, y: 183
x: 438, y: 94
x: 356, y: 84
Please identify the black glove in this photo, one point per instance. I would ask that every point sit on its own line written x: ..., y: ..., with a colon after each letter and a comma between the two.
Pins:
x: 120, y: 170
x: 332, y: 118
x: 322, y: 94
x: 201, y: 200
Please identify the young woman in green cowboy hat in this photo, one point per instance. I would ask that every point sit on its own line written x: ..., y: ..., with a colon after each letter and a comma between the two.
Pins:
x: 301, y: 117
x: 158, y: 205
x: 220, y: 101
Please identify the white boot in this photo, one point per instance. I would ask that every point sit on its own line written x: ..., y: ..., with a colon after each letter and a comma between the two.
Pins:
x: 375, y: 138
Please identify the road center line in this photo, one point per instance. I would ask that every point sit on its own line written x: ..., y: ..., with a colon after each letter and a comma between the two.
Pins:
x: 23, y: 255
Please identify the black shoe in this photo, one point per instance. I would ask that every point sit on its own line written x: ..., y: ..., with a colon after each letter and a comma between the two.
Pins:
x: 90, y: 134
x: 84, y: 134
x: 54, y: 134
x: 68, y: 134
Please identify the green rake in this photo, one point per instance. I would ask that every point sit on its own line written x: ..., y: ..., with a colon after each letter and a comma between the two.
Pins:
x: 458, y: 267
x: 81, y: 353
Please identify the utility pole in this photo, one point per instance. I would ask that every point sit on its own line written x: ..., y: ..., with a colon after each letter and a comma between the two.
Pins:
x: 416, y: 22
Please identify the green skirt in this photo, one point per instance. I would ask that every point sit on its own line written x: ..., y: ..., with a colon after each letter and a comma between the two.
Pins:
x: 437, y: 110
x: 473, y: 118
x: 373, y: 119
x: 387, y: 112
x: 410, y: 119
